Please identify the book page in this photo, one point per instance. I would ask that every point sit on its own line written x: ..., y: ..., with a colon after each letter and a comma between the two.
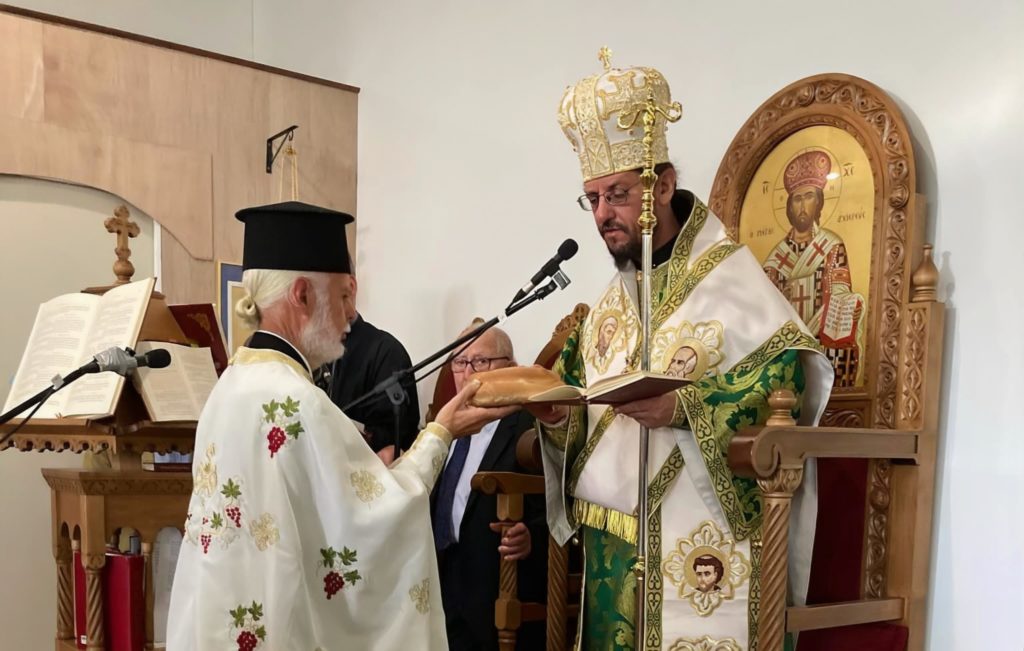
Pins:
x: 838, y: 323
x: 179, y: 391
x: 632, y: 386
x: 117, y: 324
x: 563, y: 395
x: 54, y: 348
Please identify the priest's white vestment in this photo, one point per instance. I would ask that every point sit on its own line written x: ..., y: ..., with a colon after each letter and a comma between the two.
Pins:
x: 298, y: 537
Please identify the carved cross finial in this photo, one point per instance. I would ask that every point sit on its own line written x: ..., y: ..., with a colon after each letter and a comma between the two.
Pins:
x: 124, y: 227
x: 605, y: 56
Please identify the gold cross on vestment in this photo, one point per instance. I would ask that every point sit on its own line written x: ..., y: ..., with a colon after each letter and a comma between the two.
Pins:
x: 124, y: 227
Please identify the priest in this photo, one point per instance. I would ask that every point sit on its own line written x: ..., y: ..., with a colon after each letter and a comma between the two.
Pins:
x: 297, y: 535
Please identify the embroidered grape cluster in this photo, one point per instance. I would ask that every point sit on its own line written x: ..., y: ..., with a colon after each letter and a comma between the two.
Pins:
x: 275, y: 439
x: 235, y: 514
x: 275, y: 412
x: 232, y: 491
x: 246, y: 619
x: 205, y: 540
x: 333, y: 582
x: 247, y: 641
x: 335, y: 562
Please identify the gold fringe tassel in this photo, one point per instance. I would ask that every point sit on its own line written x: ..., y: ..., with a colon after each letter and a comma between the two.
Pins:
x: 604, y: 519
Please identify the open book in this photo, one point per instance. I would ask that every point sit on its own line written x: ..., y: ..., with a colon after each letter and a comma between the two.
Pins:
x: 616, y: 390
x: 533, y: 384
x: 69, y: 330
x: 178, y: 391
x: 198, y: 321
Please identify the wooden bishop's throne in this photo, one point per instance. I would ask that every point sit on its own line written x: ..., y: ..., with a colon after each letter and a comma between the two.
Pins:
x: 89, y: 506
x: 876, y: 445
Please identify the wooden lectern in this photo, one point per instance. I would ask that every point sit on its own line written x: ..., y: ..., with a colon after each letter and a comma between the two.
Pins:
x: 89, y: 506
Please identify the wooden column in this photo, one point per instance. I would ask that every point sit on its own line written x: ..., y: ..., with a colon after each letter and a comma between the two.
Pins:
x: 558, y: 579
x: 94, y: 557
x: 507, y: 611
x: 777, y: 493
x: 65, y: 590
x: 94, y: 629
x: 913, y: 487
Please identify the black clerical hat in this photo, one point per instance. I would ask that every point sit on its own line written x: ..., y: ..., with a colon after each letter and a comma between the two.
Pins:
x: 295, y: 236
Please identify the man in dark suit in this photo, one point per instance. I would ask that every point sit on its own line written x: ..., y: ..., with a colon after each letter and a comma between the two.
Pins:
x: 466, y: 531
x: 371, y: 356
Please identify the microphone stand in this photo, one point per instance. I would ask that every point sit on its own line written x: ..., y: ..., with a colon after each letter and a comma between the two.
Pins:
x: 56, y: 384
x: 392, y: 385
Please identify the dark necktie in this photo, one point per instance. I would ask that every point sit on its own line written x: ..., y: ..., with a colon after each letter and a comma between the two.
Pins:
x: 444, y: 534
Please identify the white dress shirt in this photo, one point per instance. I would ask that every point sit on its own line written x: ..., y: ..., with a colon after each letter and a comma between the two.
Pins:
x: 478, y: 444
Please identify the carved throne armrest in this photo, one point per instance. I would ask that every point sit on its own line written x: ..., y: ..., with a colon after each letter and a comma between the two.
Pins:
x: 774, y: 455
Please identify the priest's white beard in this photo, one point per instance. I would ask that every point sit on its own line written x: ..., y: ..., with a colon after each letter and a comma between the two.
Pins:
x: 321, y: 341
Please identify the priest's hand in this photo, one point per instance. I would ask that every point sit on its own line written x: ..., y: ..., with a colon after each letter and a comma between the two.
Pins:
x: 387, y: 454
x: 547, y: 413
x: 652, y: 412
x: 516, y: 544
x: 461, y: 419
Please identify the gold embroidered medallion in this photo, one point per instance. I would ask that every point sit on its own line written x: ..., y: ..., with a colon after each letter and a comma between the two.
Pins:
x: 610, y: 329
x: 706, y: 568
x: 705, y: 644
x: 689, y: 350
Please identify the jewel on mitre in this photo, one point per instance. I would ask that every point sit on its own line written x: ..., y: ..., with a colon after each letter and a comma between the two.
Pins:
x: 514, y: 385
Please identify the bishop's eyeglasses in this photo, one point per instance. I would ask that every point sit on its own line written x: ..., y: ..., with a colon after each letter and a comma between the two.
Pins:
x: 616, y: 197
x: 477, y: 363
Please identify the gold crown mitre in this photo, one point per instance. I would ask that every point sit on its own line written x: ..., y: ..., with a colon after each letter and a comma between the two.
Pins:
x: 600, y: 115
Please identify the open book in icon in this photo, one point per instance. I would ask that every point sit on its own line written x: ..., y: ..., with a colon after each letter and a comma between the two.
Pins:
x: 532, y: 385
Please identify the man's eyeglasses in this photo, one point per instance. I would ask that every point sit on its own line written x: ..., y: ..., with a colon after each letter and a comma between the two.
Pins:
x: 616, y: 197
x: 477, y: 363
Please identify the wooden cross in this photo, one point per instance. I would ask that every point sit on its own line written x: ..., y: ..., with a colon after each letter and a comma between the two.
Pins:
x: 605, y: 56
x: 124, y: 227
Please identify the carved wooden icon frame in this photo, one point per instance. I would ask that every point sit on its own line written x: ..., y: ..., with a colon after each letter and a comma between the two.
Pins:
x: 858, y: 108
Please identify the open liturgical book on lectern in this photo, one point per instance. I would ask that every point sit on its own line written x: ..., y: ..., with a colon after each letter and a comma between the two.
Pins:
x: 70, y: 329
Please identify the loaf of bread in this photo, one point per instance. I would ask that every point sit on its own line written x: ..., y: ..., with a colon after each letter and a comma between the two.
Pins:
x: 513, y: 385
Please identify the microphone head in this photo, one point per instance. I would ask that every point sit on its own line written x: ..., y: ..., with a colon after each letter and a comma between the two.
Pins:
x: 157, y: 358
x: 568, y: 249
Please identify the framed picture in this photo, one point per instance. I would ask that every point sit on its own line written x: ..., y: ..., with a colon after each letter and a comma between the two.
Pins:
x: 230, y: 291
x: 820, y: 184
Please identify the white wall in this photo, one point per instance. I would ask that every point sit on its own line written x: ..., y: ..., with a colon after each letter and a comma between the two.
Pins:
x: 55, y: 244
x: 467, y: 185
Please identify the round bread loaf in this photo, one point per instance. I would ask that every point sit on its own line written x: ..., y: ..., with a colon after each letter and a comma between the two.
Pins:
x: 512, y: 386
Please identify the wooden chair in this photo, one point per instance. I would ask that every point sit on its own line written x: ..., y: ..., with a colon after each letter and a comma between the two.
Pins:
x: 876, y: 444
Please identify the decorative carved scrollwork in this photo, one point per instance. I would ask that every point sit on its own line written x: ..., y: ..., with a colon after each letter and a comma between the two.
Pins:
x: 843, y: 418
x: 877, y: 535
x: 913, y: 367
x: 158, y: 485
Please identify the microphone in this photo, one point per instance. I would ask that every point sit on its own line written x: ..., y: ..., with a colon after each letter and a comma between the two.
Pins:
x: 566, y: 250
x: 120, y: 361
